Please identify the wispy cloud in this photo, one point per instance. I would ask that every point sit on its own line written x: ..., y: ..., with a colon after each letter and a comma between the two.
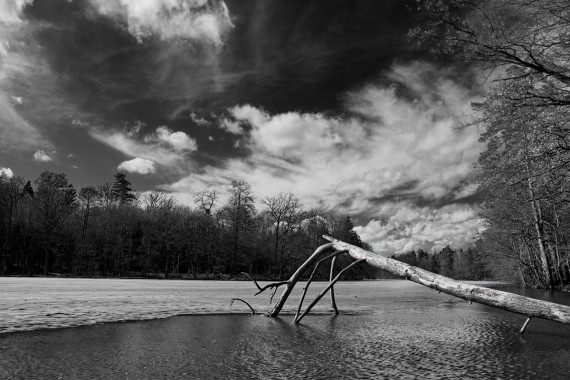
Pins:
x: 138, y: 165
x: 204, y: 21
x: 17, y: 133
x: 22, y: 73
x: 163, y: 146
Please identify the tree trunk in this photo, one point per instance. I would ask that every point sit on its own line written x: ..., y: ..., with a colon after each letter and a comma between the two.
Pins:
x: 537, y: 218
x: 515, y: 303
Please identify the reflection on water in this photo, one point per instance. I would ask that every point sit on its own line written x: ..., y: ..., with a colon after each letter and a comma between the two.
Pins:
x: 402, y: 331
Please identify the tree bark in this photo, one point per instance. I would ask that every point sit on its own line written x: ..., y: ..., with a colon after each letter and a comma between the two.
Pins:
x: 532, y: 308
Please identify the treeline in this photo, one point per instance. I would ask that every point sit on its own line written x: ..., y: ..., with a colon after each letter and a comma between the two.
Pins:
x: 459, y: 264
x: 49, y: 228
x: 521, y: 48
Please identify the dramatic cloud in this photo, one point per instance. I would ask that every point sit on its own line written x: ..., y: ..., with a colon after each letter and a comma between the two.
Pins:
x: 138, y: 165
x: 162, y: 146
x: 42, y: 156
x: 397, y: 143
x: 198, y: 20
x: 267, y: 100
x: 6, y: 172
x: 408, y: 227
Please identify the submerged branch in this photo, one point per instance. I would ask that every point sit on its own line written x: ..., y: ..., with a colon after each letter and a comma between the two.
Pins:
x: 239, y: 299
x: 329, y: 286
x: 296, y: 276
x: 334, y: 256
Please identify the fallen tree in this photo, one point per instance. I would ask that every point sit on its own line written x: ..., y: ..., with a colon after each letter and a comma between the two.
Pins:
x: 529, y: 307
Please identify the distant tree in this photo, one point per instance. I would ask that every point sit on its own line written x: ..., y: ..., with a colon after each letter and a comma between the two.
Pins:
x: 434, y: 264
x: 446, y: 259
x: 28, y: 191
x: 408, y: 258
x: 54, y: 201
x: 286, y: 213
x: 107, y: 197
x: 423, y: 259
x: 89, y: 198
x: 122, y: 190
x: 206, y: 200
x: 10, y: 197
x: 238, y: 214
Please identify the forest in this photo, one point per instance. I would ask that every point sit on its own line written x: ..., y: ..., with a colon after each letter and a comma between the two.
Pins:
x: 109, y: 230
x: 50, y: 228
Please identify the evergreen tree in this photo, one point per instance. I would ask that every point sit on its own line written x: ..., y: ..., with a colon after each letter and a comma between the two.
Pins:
x: 122, y: 190
x: 28, y: 190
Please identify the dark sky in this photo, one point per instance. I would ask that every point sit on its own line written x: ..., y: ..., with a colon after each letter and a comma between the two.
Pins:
x: 327, y: 99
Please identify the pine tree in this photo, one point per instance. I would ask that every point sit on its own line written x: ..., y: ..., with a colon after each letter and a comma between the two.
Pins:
x: 122, y: 190
x: 28, y: 190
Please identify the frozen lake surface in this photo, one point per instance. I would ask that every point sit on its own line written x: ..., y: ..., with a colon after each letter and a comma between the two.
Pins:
x: 387, y: 329
x: 34, y: 303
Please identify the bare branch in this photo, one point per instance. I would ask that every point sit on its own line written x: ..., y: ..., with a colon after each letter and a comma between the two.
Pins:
x: 325, y: 290
x: 334, y: 256
x: 239, y: 299
x: 273, y: 285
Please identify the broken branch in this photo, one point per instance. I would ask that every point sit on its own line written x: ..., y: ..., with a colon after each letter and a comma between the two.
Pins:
x: 239, y: 299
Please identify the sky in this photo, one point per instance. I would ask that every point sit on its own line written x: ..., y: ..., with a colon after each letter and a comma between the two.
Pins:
x: 328, y: 100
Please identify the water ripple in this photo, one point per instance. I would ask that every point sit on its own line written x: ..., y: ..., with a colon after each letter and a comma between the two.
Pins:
x: 431, y: 336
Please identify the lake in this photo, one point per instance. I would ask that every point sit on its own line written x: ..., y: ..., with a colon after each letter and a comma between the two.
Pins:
x: 387, y: 329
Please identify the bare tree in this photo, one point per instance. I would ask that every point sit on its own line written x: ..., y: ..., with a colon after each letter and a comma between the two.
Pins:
x: 206, y: 200
x: 238, y: 215
x: 286, y: 212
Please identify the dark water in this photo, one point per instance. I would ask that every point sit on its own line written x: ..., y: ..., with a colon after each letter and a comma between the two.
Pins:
x: 403, y: 337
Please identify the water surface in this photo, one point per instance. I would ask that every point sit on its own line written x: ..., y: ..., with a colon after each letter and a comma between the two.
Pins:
x: 393, y: 329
